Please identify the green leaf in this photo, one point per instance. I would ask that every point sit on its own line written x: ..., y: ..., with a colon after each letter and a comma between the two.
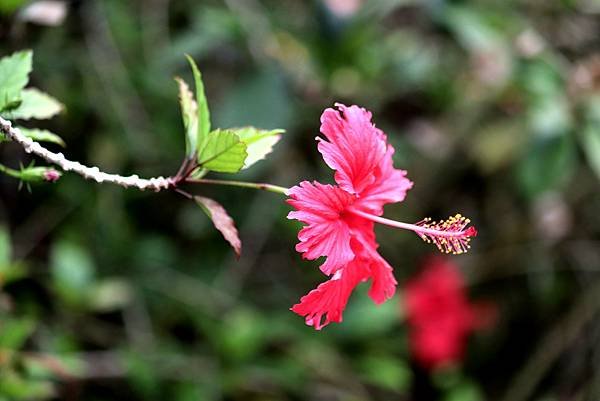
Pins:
x: 14, y: 75
x: 189, y: 112
x: 42, y: 135
x: 464, y: 392
x: 590, y: 136
x: 10, y: 6
x: 203, y: 113
x: 222, y: 222
x: 548, y: 164
x: 72, y: 271
x: 15, y: 332
x: 7, y: 104
x: 36, y: 104
x: 471, y: 28
x: 9, y: 270
x: 259, y: 142
x: 386, y: 372
x: 243, y: 334
x: 141, y: 374
x: 223, y: 152
x: 110, y: 294
x: 17, y: 388
x: 550, y: 116
x: 5, y: 246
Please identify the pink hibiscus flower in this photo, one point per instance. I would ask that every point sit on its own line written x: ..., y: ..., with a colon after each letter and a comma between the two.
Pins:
x: 440, y: 315
x: 340, y: 218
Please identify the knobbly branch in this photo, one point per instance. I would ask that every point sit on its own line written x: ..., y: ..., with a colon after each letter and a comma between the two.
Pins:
x: 91, y: 173
x: 134, y: 181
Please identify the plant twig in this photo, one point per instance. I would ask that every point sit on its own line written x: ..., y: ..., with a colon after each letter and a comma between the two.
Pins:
x: 254, y: 185
x: 184, y: 193
x: 9, y: 171
x: 90, y: 173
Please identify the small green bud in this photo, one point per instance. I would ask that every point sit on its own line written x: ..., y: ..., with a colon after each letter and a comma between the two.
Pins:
x: 38, y: 174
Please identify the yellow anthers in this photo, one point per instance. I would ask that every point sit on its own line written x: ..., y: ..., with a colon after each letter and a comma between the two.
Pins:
x: 450, y: 236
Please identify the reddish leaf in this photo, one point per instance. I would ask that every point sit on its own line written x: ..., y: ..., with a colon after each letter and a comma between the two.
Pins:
x: 222, y: 222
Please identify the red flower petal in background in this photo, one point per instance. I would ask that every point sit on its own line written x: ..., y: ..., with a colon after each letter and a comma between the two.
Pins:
x: 439, y: 314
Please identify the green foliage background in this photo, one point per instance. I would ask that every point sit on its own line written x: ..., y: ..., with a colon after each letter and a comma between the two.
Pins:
x: 492, y: 105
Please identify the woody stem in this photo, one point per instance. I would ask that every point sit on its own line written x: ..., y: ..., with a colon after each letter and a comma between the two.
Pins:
x: 242, y: 184
x: 407, y: 226
x: 90, y: 173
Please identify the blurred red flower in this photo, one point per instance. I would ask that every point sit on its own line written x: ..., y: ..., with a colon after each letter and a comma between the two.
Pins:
x: 440, y: 316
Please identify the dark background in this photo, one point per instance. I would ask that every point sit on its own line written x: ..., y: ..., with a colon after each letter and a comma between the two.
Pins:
x: 493, y: 107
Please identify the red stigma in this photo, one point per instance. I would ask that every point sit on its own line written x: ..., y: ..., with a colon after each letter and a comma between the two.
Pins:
x: 471, y: 232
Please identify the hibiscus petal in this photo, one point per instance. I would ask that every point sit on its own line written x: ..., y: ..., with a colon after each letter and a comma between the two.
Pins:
x: 383, y: 285
x: 354, y: 147
x: 327, y: 302
x: 327, y: 239
x: 327, y: 234
x: 390, y: 185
